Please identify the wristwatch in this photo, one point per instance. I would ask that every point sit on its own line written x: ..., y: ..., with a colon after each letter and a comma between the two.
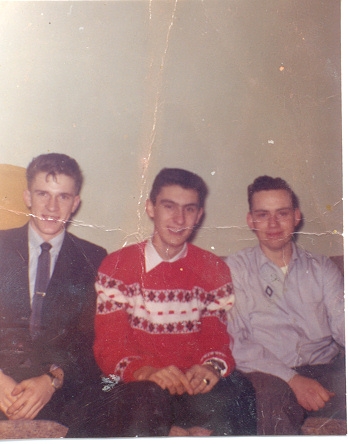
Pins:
x: 218, y: 366
x: 56, y: 383
x: 57, y: 376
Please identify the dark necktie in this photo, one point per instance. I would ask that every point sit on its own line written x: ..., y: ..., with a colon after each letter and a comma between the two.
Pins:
x: 41, y: 283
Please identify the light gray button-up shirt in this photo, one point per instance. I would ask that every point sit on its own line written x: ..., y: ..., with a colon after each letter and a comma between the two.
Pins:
x: 280, y: 321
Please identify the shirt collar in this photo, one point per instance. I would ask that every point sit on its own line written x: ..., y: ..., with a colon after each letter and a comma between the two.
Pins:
x: 35, y: 240
x: 152, y: 258
x: 263, y: 259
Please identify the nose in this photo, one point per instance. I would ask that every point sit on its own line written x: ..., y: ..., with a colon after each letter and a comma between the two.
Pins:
x: 273, y: 220
x: 179, y: 216
x: 52, y: 204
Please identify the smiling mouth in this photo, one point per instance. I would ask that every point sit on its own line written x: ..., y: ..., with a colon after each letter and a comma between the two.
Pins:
x: 178, y: 230
x: 45, y: 218
x: 275, y: 236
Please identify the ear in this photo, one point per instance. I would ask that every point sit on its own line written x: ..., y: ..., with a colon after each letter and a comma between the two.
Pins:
x: 199, y: 215
x: 250, y: 221
x: 27, y: 198
x: 150, y: 208
x: 298, y: 216
x: 77, y: 201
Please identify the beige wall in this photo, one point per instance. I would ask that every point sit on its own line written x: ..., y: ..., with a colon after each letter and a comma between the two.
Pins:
x: 230, y: 89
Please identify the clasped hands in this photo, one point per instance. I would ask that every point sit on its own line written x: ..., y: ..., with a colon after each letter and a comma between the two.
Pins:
x: 197, y: 379
x: 26, y: 399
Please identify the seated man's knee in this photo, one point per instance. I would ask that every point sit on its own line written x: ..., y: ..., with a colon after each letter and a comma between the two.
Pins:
x: 147, y: 390
x: 264, y: 383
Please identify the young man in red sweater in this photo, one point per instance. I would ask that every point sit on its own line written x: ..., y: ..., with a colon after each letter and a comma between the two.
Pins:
x: 161, y: 327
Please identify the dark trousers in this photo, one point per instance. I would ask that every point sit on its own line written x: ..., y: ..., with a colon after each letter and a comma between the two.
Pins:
x: 144, y: 409
x: 278, y: 412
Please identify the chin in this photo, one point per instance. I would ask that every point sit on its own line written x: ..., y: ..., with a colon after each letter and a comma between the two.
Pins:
x: 52, y: 230
x: 277, y: 245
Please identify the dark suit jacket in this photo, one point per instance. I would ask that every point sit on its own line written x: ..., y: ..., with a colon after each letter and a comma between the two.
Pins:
x: 68, y: 311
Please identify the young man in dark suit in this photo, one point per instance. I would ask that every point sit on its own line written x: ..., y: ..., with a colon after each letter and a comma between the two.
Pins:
x: 46, y: 333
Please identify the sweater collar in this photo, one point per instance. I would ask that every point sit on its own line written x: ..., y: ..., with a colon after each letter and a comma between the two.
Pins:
x: 152, y: 258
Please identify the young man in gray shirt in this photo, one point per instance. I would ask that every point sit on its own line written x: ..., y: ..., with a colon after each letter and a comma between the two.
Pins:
x: 287, y: 324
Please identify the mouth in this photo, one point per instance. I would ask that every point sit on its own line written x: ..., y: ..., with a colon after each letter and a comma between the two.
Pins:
x: 177, y: 230
x: 54, y: 219
x: 277, y: 235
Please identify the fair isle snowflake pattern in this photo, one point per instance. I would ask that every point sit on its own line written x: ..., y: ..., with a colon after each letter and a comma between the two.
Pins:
x: 172, y: 327
x: 122, y: 365
x: 163, y: 311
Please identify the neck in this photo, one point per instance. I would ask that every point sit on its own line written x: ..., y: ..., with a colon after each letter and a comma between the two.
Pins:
x: 282, y: 257
x: 166, y: 252
x: 43, y: 236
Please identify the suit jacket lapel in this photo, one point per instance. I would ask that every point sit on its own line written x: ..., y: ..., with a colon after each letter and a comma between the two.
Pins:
x: 63, y: 266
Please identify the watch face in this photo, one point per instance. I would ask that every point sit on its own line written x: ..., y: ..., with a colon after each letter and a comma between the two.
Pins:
x: 56, y: 383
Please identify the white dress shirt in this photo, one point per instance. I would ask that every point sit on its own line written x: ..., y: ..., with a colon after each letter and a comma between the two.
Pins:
x: 152, y: 258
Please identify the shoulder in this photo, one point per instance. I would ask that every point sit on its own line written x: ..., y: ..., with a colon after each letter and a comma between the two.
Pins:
x: 14, y: 241
x: 209, y: 268
x: 206, y: 257
x: 84, y: 244
x: 319, y: 263
x: 245, y: 258
x: 319, y: 269
x: 126, y: 258
x: 14, y: 234
x: 14, y: 253
x: 88, y: 250
x: 244, y: 265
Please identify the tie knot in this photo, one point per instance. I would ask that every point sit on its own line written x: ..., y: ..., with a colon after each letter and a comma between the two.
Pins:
x: 45, y: 246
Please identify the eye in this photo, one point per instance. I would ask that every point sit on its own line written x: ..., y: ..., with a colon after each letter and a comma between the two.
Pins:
x: 64, y: 196
x: 284, y: 214
x: 262, y: 215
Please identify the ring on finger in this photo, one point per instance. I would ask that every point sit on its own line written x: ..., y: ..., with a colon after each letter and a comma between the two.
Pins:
x: 206, y: 381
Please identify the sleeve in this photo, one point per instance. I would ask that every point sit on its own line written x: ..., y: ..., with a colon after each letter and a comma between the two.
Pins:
x: 114, y: 349
x: 214, y: 341
x: 72, y: 349
x: 249, y: 354
x: 333, y: 288
x: 112, y: 345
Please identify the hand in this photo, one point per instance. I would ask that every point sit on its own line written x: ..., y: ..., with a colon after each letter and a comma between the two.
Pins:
x: 33, y: 394
x: 7, y: 384
x: 170, y: 378
x: 199, y: 375
x: 309, y: 393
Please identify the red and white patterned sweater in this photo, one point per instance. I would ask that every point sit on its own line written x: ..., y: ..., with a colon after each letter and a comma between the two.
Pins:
x: 172, y: 315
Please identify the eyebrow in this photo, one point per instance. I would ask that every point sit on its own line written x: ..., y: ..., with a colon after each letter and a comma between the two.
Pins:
x: 267, y: 211
x: 65, y: 193
x: 193, y: 204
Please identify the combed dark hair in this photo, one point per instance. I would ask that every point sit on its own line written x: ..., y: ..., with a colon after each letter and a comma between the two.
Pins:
x: 267, y: 183
x: 177, y: 176
x: 54, y: 164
